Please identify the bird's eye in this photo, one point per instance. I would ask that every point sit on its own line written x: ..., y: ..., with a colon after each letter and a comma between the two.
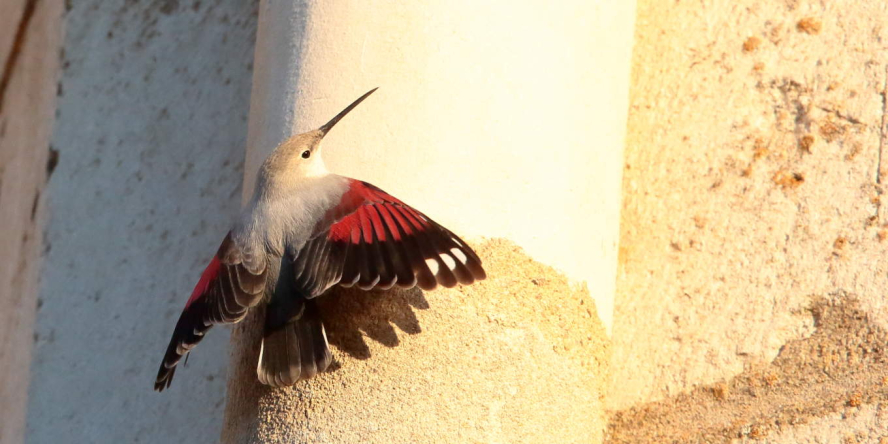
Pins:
x: 306, y: 154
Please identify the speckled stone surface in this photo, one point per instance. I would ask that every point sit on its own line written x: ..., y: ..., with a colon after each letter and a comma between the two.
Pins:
x: 150, y: 133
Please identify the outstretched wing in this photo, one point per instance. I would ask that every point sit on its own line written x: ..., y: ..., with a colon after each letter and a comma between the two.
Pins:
x: 374, y: 240
x: 232, y: 283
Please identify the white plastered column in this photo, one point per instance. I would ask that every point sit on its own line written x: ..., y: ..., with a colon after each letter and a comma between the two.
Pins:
x: 498, y: 121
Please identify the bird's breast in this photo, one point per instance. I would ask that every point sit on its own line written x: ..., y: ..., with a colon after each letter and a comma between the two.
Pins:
x: 285, y: 220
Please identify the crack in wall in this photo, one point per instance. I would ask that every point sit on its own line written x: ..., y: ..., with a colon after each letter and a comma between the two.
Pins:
x: 17, y: 44
x: 882, y: 138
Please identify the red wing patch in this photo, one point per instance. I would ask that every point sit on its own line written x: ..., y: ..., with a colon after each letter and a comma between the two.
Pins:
x: 371, y: 210
x: 208, y: 276
x: 373, y: 240
x: 225, y: 292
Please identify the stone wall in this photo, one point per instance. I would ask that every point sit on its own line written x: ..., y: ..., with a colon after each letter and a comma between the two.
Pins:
x: 751, y: 293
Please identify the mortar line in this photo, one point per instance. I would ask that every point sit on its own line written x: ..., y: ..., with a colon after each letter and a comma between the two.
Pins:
x: 882, y: 140
x: 882, y: 125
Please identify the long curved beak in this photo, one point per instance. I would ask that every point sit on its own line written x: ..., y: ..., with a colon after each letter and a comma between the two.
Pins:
x: 327, y: 126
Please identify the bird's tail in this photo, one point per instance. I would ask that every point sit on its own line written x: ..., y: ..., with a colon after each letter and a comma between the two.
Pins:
x: 295, y: 350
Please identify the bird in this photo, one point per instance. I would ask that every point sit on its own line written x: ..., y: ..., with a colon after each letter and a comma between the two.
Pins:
x: 303, y: 231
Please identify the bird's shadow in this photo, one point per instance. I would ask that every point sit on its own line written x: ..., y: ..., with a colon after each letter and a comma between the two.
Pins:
x: 350, y: 314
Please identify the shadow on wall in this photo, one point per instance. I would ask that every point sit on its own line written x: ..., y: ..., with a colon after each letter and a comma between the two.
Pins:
x: 350, y: 313
x: 520, y: 357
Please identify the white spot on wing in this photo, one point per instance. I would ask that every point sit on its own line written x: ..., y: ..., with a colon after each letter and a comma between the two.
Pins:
x: 457, y: 253
x: 451, y: 264
x: 433, y: 265
x: 259, y: 364
x: 324, y: 334
x: 261, y: 352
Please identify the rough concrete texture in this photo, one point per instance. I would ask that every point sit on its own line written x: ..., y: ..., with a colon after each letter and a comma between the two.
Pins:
x: 751, y: 284
x: 841, y: 369
x: 853, y: 425
x: 30, y: 39
x: 150, y: 135
x: 521, y: 357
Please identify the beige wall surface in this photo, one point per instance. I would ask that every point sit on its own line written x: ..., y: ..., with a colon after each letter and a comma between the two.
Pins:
x: 30, y: 40
x: 752, y: 272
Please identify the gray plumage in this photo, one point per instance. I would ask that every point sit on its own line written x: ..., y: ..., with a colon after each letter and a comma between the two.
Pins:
x: 303, y: 231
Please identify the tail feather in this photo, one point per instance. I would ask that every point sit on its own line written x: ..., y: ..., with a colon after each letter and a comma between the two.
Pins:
x: 295, y: 350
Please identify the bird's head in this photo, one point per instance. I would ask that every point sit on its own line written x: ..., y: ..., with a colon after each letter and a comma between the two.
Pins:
x: 300, y: 156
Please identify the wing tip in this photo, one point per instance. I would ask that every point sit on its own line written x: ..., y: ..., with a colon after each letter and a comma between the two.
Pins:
x: 164, y: 378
